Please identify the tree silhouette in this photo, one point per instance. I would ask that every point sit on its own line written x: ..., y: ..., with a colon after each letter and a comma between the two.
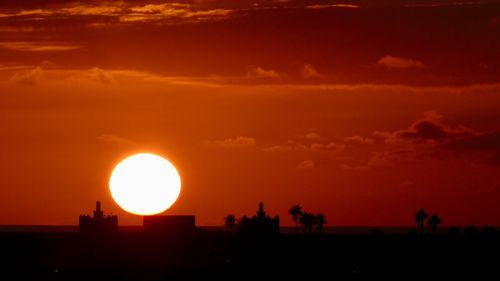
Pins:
x: 470, y: 231
x: 488, y: 230
x: 320, y: 221
x: 230, y: 222
x: 420, y: 218
x: 296, y: 212
x: 307, y: 220
x: 433, y: 222
x: 243, y: 223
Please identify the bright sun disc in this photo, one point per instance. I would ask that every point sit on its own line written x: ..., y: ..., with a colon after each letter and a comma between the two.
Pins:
x: 145, y: 184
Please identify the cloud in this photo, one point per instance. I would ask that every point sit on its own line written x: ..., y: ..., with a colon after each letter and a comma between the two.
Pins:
x: 124, y: 12
x: 306, y: 165
x: 482, y: 147
x: 426, y: 129
x: 430, y: 127
x: 292, y: 145
x: 100, y: 75
x: 348, y: 167
x: 331, y: 146
x: 158, y: 12
x: 381, y: 159
x: 159, y: 8
x: 357, y: 141
x: 308, y: 71
x: 16, y: 29
x: 289, y: 146
x: 64, y: 12
x: 391, y: 62
x: 327, y: 6
x: 443, y: 4
x: 38, y: 46
x: 310, y: 143
x: 484, y: 141
x: 237, y: 142
x: 311, y: 136
x: 47, y: 71
x: 262, y: 85
x: 30, y: 77
x: 88, y: 10
x: 259, y: 72
x: 429, y: 138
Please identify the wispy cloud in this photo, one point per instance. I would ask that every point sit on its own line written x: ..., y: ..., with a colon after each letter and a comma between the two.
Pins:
x: 331, y: 146
x: 259, y: 72
x: 306, y: 165
x: 38, y: 46
x: 309, y: 71
x: 159, y: 12
x: 49, y: 72
x: 237, y: 142
x: 311, y: 136
x: 290, y: 145
x: 326, y: 6
x: 398, y: 62
x: 29, y: 77
x: 125, y: 12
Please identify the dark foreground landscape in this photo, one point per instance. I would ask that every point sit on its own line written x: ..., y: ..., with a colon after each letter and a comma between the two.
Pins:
x: 224, y: 255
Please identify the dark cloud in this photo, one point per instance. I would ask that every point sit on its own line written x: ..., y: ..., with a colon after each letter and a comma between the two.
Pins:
x: 484, y: 148
x: 430, y: 127
x: 486, y: 141
x: 429, y: 130
x: 429, y: 138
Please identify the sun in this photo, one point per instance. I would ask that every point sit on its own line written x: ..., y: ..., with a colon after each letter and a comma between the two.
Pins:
x: 145, y: 184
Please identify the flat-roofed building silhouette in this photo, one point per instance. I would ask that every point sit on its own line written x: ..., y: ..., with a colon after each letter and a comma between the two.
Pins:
x: 169, y: 224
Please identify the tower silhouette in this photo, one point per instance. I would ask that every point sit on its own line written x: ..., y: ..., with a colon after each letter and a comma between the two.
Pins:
x: 98, y: 223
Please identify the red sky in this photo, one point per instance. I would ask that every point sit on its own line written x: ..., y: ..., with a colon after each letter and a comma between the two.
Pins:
x: 365, y: 112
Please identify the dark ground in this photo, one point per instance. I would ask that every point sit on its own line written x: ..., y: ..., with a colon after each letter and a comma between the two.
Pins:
x: 220, y: 255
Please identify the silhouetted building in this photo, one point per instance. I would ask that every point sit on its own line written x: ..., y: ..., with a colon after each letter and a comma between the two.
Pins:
x: 98, y: 223
x: 169, y: 224
x: 260, y: 224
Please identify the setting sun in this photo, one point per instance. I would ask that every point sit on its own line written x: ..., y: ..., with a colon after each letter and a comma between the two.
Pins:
x: 145, y: 184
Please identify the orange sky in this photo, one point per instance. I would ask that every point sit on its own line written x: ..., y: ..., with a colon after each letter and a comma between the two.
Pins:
x: 365, y: 112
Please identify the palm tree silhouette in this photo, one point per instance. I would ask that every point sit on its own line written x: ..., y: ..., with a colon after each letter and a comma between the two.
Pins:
x: 230, y: 222
x: 420, y: 218
x: 433, y: 222
x: 320, y: 221
x: 296, y: 212
x: 307, y: 220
